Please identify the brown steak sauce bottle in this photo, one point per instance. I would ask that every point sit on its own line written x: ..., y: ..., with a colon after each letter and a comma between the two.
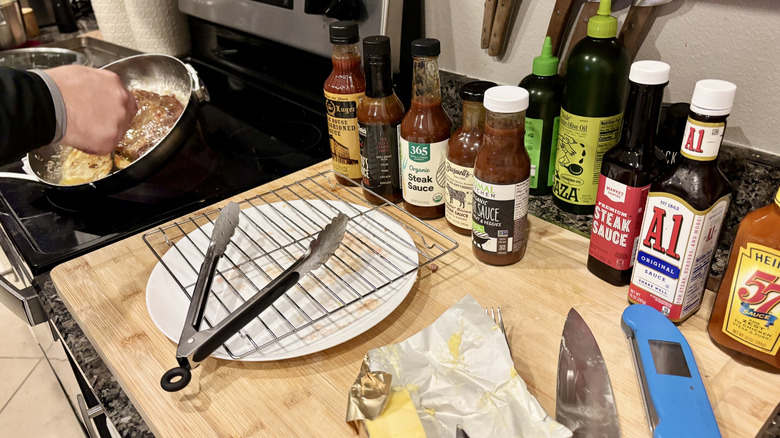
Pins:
x: 425, y: 129
x: 684, y: 213
x: 461, y: 154
x: 379, y: 116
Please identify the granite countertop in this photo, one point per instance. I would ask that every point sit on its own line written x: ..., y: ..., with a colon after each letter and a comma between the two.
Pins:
x: 754, y: 178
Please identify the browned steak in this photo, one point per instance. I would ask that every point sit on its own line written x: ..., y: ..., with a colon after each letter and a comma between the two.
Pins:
x: 155, y: 117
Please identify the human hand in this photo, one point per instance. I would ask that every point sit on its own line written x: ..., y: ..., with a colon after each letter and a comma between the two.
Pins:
x: 98, y: 107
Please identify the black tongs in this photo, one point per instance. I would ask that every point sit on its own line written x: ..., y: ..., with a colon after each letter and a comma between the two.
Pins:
x: 196, y: 345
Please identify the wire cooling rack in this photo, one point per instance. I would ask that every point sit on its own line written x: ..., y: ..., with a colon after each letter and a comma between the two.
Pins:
x: 382, y: 249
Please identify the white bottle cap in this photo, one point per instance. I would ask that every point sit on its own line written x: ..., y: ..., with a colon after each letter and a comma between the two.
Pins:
x: 713, y: 97
x: 649, y: 72
x: 506, y: 99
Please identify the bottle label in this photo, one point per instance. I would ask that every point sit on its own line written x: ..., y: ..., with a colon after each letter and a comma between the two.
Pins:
x: 701, y: 141
x: 423, y: 169
x: 553, y: 152
x: 617, y: 221
x: 676, y: 247
x: 499, y: 216
x: 341, y: 110
x: 460, y: 187
x: 777, y: 198
x: 582, y: 142
x: 533, y: 144
x: 753, y: 306
x: 379, y: 156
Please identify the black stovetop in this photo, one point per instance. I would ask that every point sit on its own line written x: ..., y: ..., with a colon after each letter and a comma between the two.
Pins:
x: 246, y: 136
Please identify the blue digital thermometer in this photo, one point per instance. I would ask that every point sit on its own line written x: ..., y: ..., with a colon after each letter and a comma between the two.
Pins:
x: 674, y: 395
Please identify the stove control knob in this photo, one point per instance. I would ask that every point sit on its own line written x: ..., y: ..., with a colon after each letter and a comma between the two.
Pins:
x: 343, y: 9
x: 315, y: 7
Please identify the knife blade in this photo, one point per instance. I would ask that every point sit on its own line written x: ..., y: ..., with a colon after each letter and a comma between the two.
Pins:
x: 584, y: 402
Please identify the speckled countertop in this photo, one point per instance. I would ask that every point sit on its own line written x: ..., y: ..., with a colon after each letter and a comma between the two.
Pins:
x: 754, y: 178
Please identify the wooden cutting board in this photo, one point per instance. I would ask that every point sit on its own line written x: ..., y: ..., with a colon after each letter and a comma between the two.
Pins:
x: 105, y: 292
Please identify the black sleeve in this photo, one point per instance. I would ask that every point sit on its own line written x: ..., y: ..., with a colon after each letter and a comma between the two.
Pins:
x: 27, y: 118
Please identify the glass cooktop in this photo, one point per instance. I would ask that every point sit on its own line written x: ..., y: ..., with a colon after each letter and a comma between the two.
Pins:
x: 246, y: 136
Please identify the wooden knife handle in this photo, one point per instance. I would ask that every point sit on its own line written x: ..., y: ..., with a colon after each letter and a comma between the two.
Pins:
x: 579, y: 30
x: 635, y: 28
x: 500, y: 25
x: 487, y: 22
x: 559, y: 20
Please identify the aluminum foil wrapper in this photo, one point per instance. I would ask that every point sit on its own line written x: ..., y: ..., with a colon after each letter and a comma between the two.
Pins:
x: 368, y: 395
x: 458, y: 371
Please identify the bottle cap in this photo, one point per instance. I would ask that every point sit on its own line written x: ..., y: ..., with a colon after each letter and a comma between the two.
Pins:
x: 475, y: 91
x: 376, y: 46
x: 603, y: 24
x: 344, y: 32
x: 506, y: 99
x: 426, y: 47
x: 546, y: 64
x: 649, y: 72
x: 713, y: 97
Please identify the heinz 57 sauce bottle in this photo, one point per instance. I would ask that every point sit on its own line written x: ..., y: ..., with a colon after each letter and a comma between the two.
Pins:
x: 461, y: 152
x: 684, y: 212
x: 425, y: 130
x: 379, y: 116
x: 627, y: 171
x: 502, y: 174
x: 343, y: 89
x: 747, y: 308
x: 594, y: 93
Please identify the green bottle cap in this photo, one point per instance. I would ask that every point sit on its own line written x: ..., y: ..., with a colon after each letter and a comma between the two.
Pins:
x: 603, y: 24
x: 546, y: 64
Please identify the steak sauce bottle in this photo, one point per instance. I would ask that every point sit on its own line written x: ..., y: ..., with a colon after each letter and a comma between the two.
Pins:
x: 685, y: 209
x: 627, y: 171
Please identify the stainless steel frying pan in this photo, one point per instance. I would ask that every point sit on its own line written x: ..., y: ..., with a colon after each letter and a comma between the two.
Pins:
x: 161, y: 74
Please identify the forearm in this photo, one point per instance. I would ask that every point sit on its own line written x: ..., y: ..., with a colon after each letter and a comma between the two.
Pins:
x: 28, y: 116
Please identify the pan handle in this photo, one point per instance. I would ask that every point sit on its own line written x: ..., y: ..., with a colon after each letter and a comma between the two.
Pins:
x: 22, y: 176
x: 197, y: 87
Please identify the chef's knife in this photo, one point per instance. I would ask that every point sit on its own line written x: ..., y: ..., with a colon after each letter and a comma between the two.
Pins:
x: 585, y: 403
x: 675, y: 399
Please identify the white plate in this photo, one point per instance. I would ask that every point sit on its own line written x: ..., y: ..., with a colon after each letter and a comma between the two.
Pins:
x: 386, y: 243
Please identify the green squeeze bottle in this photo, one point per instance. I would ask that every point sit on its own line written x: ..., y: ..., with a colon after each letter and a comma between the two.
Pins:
x: 594, y: 93
x: 545, y: 87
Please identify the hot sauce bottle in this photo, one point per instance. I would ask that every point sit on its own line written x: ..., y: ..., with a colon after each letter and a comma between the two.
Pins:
x: 685, y: 209
x: 627, y: 171
x: 425, y: 129
x: 379, y: 116
x: 343, y: 89
x: 461, y: 153
x: 747, y: 308
x: 502, y: 174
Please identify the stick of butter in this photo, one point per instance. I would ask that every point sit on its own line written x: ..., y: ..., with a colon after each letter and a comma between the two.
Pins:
x: 398, y: 420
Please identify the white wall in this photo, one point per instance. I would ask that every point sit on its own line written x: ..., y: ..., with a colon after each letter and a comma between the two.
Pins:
x: 734, y: 40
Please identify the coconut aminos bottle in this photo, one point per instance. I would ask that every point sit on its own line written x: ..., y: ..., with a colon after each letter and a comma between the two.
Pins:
x: 685, y: 210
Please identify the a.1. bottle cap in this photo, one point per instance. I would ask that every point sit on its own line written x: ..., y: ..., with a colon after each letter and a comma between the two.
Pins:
x: 649, y: 72
x: 376, y: 46
x: 603, y: 24
x: 713, y: 97
x: 344, y: 32
x: 546, y: 64
x: 426, y: 47
x: 475, y: 91
x: 506, y: 99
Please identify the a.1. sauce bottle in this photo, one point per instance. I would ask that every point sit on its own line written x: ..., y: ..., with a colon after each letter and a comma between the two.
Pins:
x: 747, y: 307
x: 501, y: 180
x: 545, y: 89
x: 684, y: 212
x: 379, y: 117
x: 461, y: 153
x: 343, y: 88
x: 425, y: 129
x: 627, y: 171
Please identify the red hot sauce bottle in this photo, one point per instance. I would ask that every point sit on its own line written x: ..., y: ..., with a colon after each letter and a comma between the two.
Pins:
x: 461, y: 153
x: 425, y: 131
x: 343, y: 89
x: 379, y: 117
x: 502, y: 177
x: 627, y: 170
